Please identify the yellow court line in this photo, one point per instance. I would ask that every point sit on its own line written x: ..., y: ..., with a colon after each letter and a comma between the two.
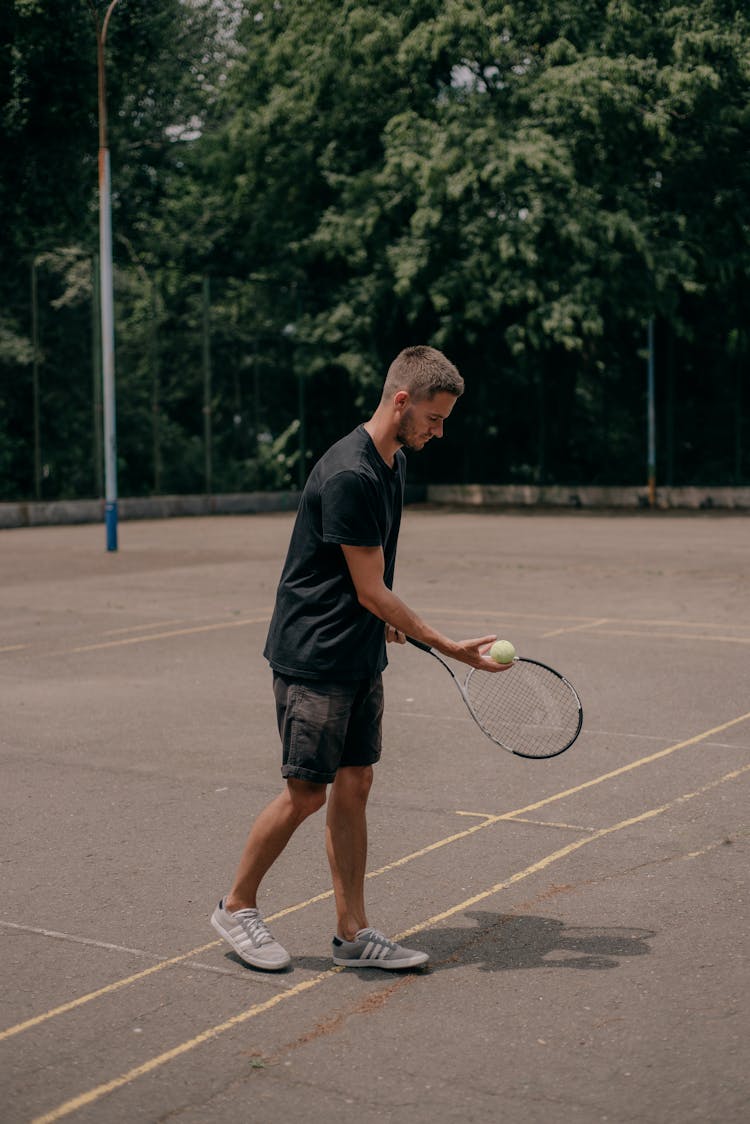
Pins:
x: 651, y: 622
x: 440, y: 612
x: 712, y: 846
x: 674, y: 635
x: 488, y: 821
x: 493, y: 819
x: 627, y: 768
x: 142, y: 627
x: 584, y: 624
x: 107, y: 990
x: 596, y: 624
x: 28, y: 1024
x: 183, y: 1048
x: 164, y: 635
x: 563, y: 852
x: 523, y: 819
x: 137, y: 976
x: 553, y: 823
x: 576, y: 628
x: 159, y: 1060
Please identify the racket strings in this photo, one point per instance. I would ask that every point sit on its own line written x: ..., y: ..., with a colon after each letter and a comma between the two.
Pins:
x: 529, y: 708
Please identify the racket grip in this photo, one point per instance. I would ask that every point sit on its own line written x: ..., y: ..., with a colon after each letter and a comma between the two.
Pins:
x: 419, y: 644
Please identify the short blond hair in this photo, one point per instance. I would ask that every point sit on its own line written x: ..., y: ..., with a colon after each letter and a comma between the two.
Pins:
x: 423, y: 372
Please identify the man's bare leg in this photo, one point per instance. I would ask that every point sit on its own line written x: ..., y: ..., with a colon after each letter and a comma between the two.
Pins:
x: 269, y: 836
x: 346, y: 846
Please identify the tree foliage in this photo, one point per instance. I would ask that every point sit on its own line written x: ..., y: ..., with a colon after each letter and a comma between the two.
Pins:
x: 525, y: 185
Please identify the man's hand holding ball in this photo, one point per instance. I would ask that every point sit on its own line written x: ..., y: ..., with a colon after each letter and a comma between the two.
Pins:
x: 503, y: 652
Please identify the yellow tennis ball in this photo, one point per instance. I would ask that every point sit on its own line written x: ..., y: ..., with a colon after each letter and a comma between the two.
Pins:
x: 502, y: 651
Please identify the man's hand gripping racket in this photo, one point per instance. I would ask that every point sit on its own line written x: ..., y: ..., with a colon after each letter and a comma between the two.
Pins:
x: 531, y: 710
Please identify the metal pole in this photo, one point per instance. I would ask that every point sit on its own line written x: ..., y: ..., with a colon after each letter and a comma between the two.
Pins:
x: 738, y: 422
x: 107, y: 301
x: 96, y: 351
x: 206, y: 333
x: 651, y: 419
x: 155, y: 388
x: 289, y: 331
x: 301, y: 397
x: 35, y: 382
x: 301, y: 408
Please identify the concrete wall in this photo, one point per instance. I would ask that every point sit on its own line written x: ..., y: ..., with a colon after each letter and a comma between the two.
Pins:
x: 153, y: 507
x: 556, y: 496
x: 454, y: 495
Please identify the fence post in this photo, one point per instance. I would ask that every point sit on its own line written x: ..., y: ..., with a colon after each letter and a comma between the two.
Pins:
x: 35, y: 381
x: 651, y: 419
x: 206, y: 334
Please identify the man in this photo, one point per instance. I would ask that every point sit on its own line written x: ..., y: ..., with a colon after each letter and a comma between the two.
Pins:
x: 334, y: 611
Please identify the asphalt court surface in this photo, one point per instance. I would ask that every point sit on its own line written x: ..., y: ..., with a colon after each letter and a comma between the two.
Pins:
x: 586, y: 917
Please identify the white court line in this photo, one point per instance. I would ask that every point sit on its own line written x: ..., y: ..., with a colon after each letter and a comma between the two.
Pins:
x: 142, y: 953
x: 79, y: 940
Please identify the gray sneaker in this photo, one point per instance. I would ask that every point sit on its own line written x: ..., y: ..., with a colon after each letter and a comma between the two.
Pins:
x: 248, y: 935
x: 370, y: 949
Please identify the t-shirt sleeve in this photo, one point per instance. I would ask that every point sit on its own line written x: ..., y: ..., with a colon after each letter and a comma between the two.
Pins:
x: 348, y: 515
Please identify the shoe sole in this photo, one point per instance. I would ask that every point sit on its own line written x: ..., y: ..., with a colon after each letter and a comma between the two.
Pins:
x: 384, y: 965
x: 247, y: 958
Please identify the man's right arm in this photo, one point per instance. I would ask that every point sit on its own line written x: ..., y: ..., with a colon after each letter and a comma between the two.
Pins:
x: 366, y: 566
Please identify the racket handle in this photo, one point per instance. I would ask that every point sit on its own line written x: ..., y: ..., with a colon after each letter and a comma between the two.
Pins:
x: 419, y: 644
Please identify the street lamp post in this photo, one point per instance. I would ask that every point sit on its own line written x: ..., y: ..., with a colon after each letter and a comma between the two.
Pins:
x: 107, y: 302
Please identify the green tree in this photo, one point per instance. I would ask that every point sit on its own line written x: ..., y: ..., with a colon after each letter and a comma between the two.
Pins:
x: 164, y: 67
x: 524, y: 184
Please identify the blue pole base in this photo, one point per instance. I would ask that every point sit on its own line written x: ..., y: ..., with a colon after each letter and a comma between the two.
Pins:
x: 110, y: 520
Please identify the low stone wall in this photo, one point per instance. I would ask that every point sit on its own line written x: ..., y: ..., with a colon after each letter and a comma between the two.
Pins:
x: 151, y: 507
x: 454, y: 495
x: 529, y: 495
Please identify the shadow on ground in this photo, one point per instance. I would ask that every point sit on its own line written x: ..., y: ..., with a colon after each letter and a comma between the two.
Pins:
x: 505, y: 942
x: 508, y: 942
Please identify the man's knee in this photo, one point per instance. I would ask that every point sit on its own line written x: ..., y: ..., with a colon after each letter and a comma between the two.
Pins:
x: 305, y: 796
x: 353, y: 782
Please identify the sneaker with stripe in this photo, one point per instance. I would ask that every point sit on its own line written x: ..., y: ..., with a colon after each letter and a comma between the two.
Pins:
x: 370, y: 949
x: 247, y: 933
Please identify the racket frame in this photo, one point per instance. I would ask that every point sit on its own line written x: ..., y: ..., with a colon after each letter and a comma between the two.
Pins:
x: 462, y: 688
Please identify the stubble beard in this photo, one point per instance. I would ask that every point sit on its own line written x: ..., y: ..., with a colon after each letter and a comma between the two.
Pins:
x: 407, y: 435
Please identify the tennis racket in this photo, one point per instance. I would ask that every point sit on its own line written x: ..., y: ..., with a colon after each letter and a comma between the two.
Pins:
x: 530, y: 710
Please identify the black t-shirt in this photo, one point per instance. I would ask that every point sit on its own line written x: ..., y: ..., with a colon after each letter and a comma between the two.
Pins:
x: 318, y: 629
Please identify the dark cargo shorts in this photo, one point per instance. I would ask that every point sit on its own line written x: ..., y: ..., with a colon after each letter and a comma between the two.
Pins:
x: 324, y: 725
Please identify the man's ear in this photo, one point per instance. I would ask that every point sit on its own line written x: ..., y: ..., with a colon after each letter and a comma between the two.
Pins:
x: 401, y: 399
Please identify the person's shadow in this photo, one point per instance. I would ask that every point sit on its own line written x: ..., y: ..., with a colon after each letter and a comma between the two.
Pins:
x: 511, y: 942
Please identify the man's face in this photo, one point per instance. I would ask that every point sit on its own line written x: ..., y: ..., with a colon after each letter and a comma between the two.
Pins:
x: 423, y: 419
